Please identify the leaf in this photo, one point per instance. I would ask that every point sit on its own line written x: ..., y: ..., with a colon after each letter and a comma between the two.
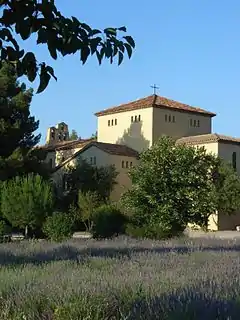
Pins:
x: 129, y: 49
x: 53, y: 51
x: 94, y: 44
x: 86, y: 27
x: 42, y: 36
x: 44, y: 80
x: 51, y: 72
x: 76, y: 22
x: 100, y: 55
x: 85, y: 52
x: 130, y: 40
x: 120, y: 57
x: 94, y: 32
x: 124, y: 29
x: 110, y: 31
x: 25, y: 29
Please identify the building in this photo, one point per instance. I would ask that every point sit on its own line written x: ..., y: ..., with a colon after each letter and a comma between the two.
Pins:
x: 126, y: 130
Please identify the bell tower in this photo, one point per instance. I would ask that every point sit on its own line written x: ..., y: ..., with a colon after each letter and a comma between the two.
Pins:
x: 57, y: 134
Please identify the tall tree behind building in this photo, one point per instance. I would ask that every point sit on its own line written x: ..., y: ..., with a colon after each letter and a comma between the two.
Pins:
x: 17, y: 127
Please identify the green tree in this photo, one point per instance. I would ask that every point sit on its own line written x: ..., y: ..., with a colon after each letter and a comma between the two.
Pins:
x: 61, y: 35
x: 87, y: 203
x: 94, y: 135
x: 17, y: 127
x: 85, y: 177
x: 73, y: 135
x: 173, y: 185
x: 26, y: 201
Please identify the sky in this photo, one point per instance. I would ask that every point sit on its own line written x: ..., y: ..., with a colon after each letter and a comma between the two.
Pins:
x: 190, y: 49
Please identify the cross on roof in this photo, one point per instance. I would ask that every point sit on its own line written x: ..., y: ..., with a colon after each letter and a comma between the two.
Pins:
x: 154, y: 88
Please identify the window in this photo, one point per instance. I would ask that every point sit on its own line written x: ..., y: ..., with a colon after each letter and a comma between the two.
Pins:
x: 109, y: 123
x: 131, y: 164
x: 94, y: 160
x: 166, y: 117
x: 122, y: 164
x: 135, y: 118
x: 173, y: 119
x: 195, y: 123
x: 115, y: 122
x: 198, y: 123
x: 191, y: 123
x: 126, y: 164
x: 112, y: 122
x: 139, y: 117
x: 234, y: 160
x: 131, y: 118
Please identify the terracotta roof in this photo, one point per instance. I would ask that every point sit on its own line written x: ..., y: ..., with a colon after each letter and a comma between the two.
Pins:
x: 65, y: 145
x: 208, y: 138
x: 156, y: 102
x: 110, y: 148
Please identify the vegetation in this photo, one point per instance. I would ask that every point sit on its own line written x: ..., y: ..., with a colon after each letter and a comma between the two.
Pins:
x: 26, y: 201
x: 43, y: 21
x: 17, y: 128
x: 174, y: 185
x: 85, y: 177
x: 120, y: 279
x: 73, y: 135
x: 87, y: 204
x: 108, y: 221
x: 59, y: 226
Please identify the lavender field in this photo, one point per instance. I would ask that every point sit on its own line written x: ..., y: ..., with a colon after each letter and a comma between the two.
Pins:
x: 120, y: 279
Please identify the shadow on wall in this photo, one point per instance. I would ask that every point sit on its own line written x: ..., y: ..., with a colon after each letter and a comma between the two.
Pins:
x: 134, y: 138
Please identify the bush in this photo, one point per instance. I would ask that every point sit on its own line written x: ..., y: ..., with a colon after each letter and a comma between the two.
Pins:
x: 156, y: 232
x: 58, y: 227
x: 108, y: 221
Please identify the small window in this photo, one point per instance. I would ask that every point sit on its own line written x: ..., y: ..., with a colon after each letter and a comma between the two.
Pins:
x: 131, y: 164
x: 94, y: 160
x: 234, y: 160
x: 169, y: 118
x: 112, y: 122
x: 198, y: 123
x: 115, y: 122
x: 166, y: 117
x: 195, y: 123
x: 109, y: 123
x: 131, y: 118
x: 139, y: 118
x: 135, y: 118
x: 173, y: 119
x: 122, y: 164
x: 126, y: 164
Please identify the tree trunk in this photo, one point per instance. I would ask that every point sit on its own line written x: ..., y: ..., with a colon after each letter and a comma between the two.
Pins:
x: 26, y: 231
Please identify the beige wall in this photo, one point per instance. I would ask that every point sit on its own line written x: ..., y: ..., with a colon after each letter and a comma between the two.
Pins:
x: 181, y: 126
x: 137, y: 135
x: 226, y: 150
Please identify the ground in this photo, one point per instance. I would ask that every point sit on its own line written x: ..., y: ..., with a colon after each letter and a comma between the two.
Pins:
x: 121, y: 279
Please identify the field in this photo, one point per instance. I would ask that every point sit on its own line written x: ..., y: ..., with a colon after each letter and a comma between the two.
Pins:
x: 120, y: 279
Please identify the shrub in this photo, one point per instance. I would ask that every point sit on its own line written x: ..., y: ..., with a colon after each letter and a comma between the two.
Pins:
x: 59, y: 226
x: 108, y: 221
x: 26, y: 201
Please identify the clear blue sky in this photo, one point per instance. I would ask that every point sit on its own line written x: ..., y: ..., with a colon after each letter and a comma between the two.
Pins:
x: 189, y: 48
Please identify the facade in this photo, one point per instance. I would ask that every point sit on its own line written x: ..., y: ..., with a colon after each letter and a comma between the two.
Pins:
x: 126, y: 130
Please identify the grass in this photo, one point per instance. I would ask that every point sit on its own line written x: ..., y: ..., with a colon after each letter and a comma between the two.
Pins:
x: 120, y: 279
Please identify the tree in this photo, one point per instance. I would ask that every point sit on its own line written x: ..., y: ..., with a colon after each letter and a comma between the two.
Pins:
x: 26, y: 201
x: 61, y: 35
x: 73, y: 135
x: 17, y: 127
x: 94, y: 135
x: 173, y: 185
x: 85, y: 177
x: 87, y: 203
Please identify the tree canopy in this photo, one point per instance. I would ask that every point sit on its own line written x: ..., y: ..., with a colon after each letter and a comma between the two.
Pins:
x: 73, y: 135
x: 61, y: 35
x: 17, y: 127
x: 176, y: 185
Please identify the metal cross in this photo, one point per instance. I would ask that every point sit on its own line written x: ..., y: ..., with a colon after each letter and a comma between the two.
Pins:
x: 154, y: 88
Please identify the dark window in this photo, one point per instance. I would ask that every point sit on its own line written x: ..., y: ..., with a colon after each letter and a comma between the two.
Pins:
x: 131, y: 164
x: 195, y: 123
x: 139, y: 118
x: 173, y: 119
x: 126, y: 164
x: 131, y: 118
x: 122, y: 164
x: 166, y: 117
x: 109, y: 123
x: 169, y: 118
x: 94, y: 160
x: 112, y: 122
x: 198, y: 123
x: 135, y: 118
x: 115, y: 122
x: 234, y: 160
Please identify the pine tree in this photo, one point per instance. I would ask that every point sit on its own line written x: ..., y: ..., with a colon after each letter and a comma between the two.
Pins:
x: 17, y: 127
